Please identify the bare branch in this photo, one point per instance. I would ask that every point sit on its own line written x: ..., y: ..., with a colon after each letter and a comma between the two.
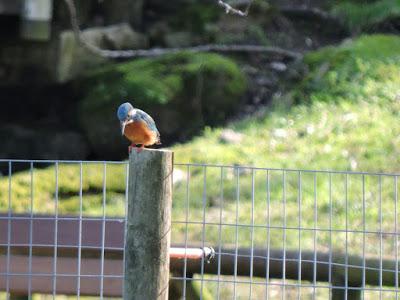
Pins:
x: 274, y: 51
x: 230, y: 10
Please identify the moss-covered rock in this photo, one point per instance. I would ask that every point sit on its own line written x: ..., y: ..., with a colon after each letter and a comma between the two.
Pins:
x: 183, y: 92
x: 75, y: 59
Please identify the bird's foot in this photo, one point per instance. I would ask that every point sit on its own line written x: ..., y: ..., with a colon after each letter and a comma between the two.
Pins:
x: 130, y: 148
x: 140, y: 149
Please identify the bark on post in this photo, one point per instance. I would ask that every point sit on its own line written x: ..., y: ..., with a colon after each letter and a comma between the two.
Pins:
x: 148, y: 225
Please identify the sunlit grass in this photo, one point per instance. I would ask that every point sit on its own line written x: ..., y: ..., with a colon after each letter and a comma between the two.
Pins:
x: 37, y: 190
x: 347, y: 120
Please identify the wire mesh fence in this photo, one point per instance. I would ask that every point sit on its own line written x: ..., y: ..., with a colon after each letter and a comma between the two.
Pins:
x: 277, y: 233
x: 309, y: 234
x: 59, y: 224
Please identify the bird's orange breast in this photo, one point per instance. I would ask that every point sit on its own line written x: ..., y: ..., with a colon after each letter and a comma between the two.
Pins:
x: 139, y: 133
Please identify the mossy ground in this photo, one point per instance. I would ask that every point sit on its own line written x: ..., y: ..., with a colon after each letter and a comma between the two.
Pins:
x: 346, y: 118
x: 366, y: 15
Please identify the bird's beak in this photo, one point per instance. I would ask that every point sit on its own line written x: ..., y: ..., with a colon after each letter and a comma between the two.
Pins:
x: 123, y: 124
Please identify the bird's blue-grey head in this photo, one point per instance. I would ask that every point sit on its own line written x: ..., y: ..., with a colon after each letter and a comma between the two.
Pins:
x: 123, y: 111
x: 123, y: 114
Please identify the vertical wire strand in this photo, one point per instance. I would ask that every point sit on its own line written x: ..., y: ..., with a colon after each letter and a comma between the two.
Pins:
x: 284, y: 235
x: 252, y: 232
x: 380, y: 237
x: 315, y: 236
x: 268, y: 238
x: 78, y: 284
x: 186, y: 229
x: 221, y: 196
x: 364, y: 236
x: 346, y: 258
x: 30, y: 236
x: 103, y: 230
x: 299, y: 192
x: 396, y: 238
x: 55, y: 234
x: 330, y: 234
x: 236, y: 232
x: 9, y: 231
x: 203, y: 228
x: 125, y: 223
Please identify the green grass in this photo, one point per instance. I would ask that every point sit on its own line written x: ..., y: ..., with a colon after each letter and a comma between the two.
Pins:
x: 346, y: 117
x: 43, y: 189
x: 363, y: 16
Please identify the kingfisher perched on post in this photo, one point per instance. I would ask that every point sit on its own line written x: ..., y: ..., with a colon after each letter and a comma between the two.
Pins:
x: 137, y: 126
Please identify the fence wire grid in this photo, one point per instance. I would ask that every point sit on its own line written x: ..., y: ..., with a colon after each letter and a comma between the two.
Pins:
x: 277, y: 233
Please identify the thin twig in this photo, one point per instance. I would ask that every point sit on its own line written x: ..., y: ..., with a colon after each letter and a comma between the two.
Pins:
x: 161, y: 51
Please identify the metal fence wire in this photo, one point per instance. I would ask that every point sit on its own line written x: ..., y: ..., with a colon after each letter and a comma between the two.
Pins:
x: 277, y: 233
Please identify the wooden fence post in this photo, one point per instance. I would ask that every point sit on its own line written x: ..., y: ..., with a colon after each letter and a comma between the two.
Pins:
x: 148, y: 225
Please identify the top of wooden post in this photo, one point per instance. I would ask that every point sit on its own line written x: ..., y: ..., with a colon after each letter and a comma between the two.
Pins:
x: 149, y: 154
x: 133, y: 152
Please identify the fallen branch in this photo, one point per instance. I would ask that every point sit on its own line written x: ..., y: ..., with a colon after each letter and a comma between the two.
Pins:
x: 161, y: 51
x: 201, y: 48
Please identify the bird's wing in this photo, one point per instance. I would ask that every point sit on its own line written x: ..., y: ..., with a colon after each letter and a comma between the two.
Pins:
x: 143, y: 116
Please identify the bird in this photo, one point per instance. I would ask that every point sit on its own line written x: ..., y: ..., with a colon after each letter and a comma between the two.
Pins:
x: 137, y: 126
